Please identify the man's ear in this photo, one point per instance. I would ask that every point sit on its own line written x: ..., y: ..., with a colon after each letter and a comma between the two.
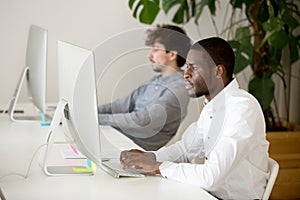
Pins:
x: 220, y: 70
x: 173, y: 55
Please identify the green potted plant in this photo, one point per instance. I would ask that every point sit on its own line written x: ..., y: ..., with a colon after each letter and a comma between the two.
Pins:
x: 270, y: 27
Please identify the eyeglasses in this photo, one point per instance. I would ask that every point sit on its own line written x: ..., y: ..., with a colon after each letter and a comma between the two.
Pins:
x: 155, y: 49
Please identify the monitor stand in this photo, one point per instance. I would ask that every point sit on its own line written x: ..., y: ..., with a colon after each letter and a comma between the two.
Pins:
x: 60, y: 170
x: 13, y: 102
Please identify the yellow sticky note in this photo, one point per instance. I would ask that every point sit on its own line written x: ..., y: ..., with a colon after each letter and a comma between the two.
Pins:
x: 94, y: 167
x: 82, y: 170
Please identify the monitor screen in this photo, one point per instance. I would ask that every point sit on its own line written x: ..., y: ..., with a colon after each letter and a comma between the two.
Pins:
x: 77, y: 88
x: 36, y: 61
x: 77, y: 107
x: 34, y: 72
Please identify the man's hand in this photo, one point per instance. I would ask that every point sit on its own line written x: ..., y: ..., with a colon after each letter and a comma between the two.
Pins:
x: 141, y: 160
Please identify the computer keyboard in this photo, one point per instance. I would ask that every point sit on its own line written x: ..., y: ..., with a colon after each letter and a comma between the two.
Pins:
x: 115, y: 169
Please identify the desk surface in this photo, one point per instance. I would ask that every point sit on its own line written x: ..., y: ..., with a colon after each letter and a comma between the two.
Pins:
x: 19, y: 142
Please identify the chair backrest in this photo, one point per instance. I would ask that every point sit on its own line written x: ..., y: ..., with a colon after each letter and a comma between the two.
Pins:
x: 273, y: 169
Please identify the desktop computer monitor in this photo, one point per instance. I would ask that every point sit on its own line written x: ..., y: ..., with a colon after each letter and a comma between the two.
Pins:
x: 34, y: 72
x: 77, y: 107
x: 77, y: 112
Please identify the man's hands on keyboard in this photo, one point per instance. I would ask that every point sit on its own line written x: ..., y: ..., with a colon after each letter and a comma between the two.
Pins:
x: 138, y: 159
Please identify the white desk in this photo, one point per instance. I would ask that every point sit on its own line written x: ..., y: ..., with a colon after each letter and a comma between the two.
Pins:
x: 19, y: 141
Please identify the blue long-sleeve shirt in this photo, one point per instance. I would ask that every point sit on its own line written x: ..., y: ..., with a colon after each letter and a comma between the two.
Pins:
x: 151, y: 114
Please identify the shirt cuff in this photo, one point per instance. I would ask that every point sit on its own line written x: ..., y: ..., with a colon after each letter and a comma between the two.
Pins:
x: 166, y: 169
x: 159, y: 155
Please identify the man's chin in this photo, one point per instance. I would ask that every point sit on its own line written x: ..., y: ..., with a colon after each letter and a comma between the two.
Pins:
x: 192, y: 94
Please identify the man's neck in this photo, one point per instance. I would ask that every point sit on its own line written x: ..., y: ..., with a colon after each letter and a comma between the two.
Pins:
x: 170, y: 70
x: 212, y: 94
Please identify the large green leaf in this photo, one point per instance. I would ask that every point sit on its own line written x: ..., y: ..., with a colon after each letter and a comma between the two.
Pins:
x: 279, y: 43
x: 234, y: 44
x: 241, y: 62
x: 212, y: 6
x: 242, y: 34
x: 182, y: 14
x: 243, y: 49
x: 241, y: 59
x: 289, y: 18
x: 263, y: 14
x: 263, y: 90
x: 146, y: 10
x: 200, y: 6
x: 237, y: 3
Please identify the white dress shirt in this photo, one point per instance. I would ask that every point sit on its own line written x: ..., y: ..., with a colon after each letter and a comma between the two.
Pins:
x: 231, y: 132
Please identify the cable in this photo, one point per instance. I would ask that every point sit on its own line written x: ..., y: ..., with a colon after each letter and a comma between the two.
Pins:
x: 28, y: 168
x: 58, y: 142
x: 31, y: 161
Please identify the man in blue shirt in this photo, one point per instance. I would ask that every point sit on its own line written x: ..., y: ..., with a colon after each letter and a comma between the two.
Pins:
x: 151, y: 114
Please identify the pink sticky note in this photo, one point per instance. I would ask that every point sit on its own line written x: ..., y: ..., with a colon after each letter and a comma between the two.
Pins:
x: 74, y: 149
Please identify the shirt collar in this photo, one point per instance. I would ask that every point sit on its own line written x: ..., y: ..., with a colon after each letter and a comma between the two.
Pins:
x: 171, y: 78
x: 219, y: 100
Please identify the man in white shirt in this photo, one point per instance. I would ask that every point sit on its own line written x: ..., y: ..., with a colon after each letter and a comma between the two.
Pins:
x: 228, y: 140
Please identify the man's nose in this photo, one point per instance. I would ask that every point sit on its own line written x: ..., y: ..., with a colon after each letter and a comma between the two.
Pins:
x: 187, y: 74
x: 149, y: 54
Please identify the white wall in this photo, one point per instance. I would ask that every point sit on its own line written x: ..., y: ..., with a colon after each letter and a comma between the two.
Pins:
x: 85, y: 23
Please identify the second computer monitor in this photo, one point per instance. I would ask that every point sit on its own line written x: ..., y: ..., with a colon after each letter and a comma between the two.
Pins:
x: 34, y: 73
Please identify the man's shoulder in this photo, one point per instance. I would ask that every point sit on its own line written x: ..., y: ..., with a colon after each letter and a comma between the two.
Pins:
x: 241, y: 101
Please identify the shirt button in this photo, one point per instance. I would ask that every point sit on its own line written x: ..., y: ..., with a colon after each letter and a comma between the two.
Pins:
x: 210, y: 117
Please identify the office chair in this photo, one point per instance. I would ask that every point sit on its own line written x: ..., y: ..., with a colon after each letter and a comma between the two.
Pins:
x: 273, y: 168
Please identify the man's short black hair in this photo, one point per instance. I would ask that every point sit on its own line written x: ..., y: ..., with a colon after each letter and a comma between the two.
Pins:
x: 220, y: 52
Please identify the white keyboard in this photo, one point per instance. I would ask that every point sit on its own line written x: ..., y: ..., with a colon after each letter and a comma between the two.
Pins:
x: 115, y: 169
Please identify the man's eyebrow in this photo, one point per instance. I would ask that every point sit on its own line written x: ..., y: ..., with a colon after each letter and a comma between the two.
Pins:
x: 190, y: 63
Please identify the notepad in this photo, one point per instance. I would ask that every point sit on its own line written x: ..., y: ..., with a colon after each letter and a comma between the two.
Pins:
x: 70, y: 154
